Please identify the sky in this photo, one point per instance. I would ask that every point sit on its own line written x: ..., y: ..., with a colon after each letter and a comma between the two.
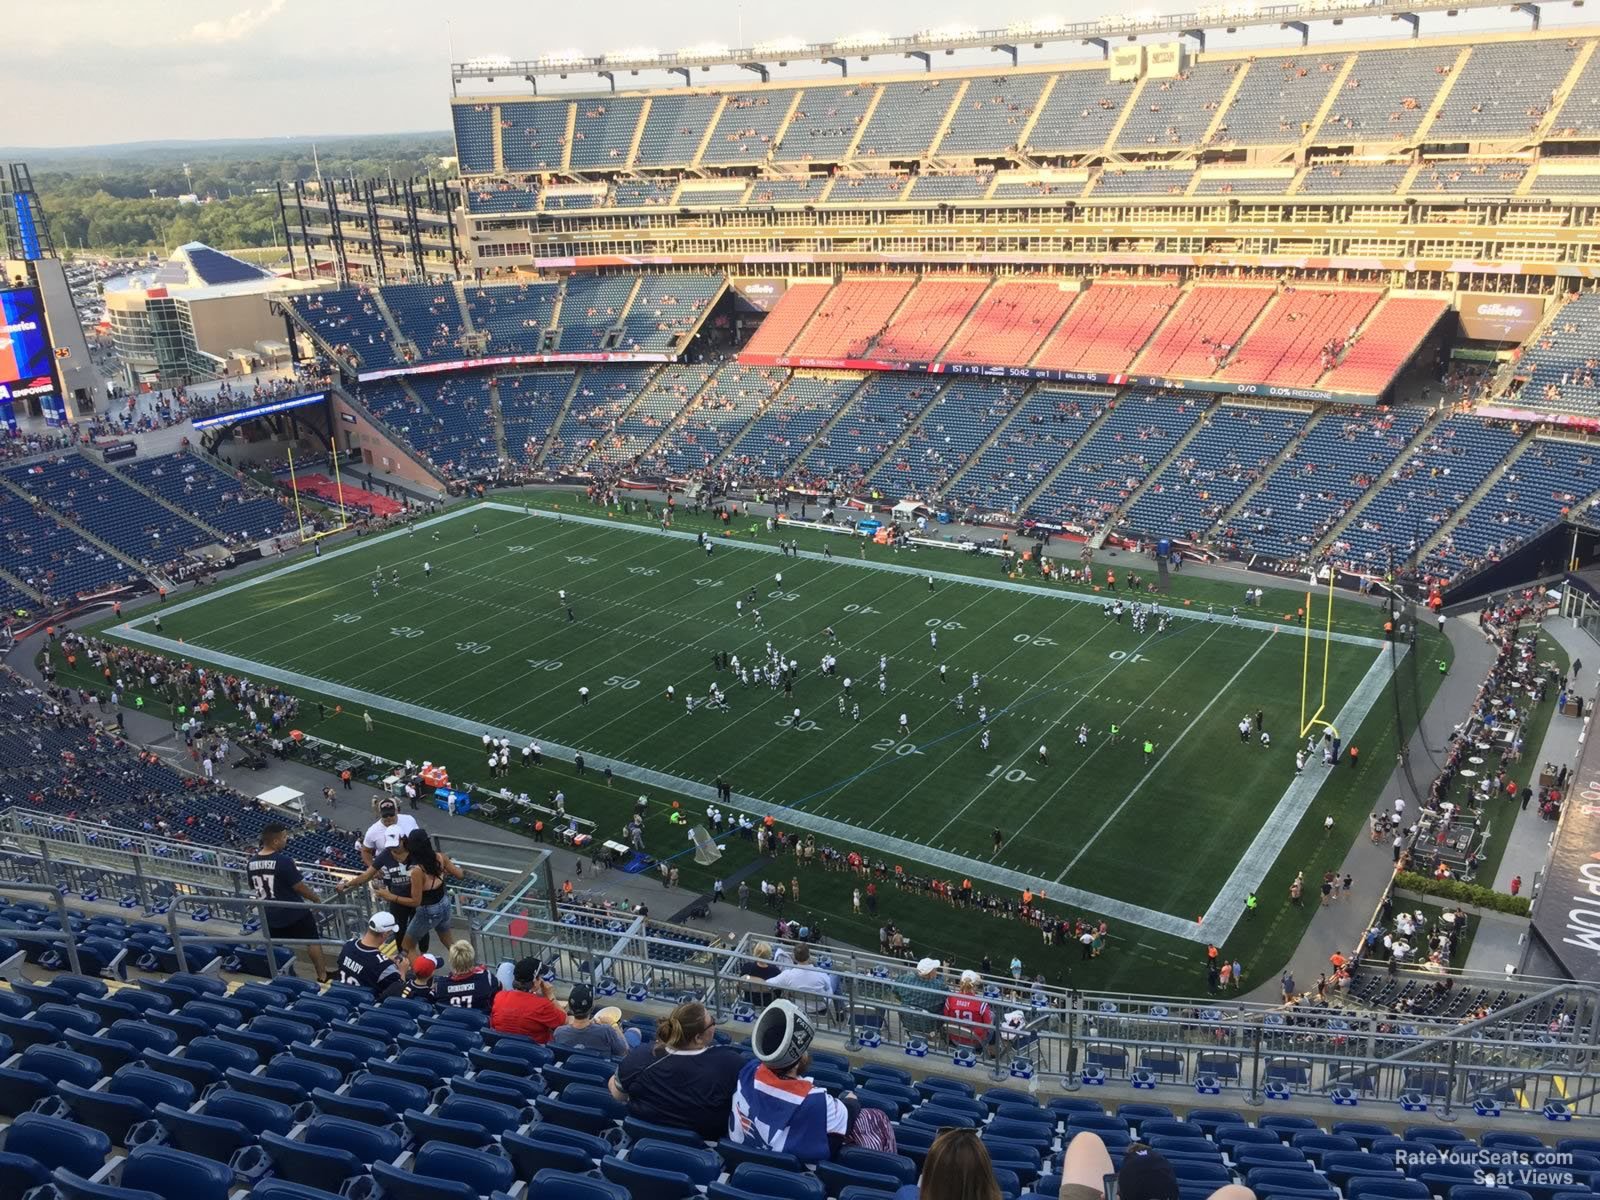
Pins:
x: 94, y: 72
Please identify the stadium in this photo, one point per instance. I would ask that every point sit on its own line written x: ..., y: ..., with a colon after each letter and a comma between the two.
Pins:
x: 1046, y: 597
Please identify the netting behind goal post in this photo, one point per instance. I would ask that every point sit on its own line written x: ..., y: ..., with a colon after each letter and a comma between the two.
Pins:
x: 706, y: 850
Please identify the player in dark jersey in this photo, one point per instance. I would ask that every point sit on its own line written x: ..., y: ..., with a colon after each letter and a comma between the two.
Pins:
x: 276, y: 879
x: 362, y: 962
x: 469, y: 984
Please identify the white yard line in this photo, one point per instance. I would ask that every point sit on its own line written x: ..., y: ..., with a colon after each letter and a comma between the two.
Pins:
x: 1156, y: 766
x: 1057, y: 790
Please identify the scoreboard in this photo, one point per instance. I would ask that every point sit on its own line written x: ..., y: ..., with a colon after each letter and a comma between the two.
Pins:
x: 26, y: 366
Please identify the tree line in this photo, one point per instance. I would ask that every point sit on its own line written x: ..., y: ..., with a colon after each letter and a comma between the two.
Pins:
x: 124, y: 200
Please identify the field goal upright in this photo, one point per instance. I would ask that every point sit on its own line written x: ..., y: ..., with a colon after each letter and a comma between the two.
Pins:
x: 1312, y: 690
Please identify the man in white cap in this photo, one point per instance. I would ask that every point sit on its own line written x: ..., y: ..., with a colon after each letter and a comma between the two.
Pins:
x: 362, y: 962
x: 921, y: 988
x: 385, y: 833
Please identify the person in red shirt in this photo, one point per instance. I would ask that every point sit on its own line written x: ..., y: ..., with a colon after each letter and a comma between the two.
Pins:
x: 966, y: 1005
x: 528, y: 1006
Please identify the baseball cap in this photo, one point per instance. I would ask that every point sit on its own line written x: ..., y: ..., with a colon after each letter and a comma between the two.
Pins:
x: 971, y: 977
x: 1146, y: 1175
x: 424, y: 965
x: 782, y: 1035
x: 387, y: 808
x: 928, y: 966
x: 580, y: 1000
x: 383, y: 922
x: 526, y: 970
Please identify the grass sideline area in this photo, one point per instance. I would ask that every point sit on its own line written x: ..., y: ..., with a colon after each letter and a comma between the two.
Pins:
x: 653, y: 609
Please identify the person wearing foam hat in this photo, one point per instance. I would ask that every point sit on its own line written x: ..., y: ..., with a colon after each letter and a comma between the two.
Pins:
x: 362, y: 962
x: 774, y: 1106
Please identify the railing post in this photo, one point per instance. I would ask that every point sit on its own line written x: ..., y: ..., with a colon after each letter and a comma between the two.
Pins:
x: 1450, y: 1085
x: 66, y: 929
x: 1255, y: 1065
x: 1070, y: 1079
x: 49, y: 866
x: 140, y: 888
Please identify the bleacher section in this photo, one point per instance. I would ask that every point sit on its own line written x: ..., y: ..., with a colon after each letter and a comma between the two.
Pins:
x: 1342, y: 456
x: 1278, y: 100
x: 446, y: 419
x: 429, y: 317
x: 1387, y: 94
x: 723, y: 408
x: 663, y: 396
x: 1430, y: 486
x: 746, y: 128
x: 907, y: 117
x: 1233, y: 448
x: 1504, y: 90
x: 673, y: 129
x: 603, y: 394
x: 964, y: 416
x: 1202, y: 330
x: 1107, y: 327
x: 925, y: 322
x: 770, y: 448
x: 591, y: 307
x: 852, y: 315
x: 515, y: 318
x: 602, y: 131
x: 876, y: 418
x: 474, y: 137
x: 1039, y: 437
x: 529, y: 406
x: 120, y: 515
x: 992, y: 115
x: 1562, y: 367
x: 1010, y: 323
x: 50, y: 558
x: 532, y: 137
x: 1549, y: 479
x: 348, y: 321
x: 1300, y: 336
x: 1131, y: 440
x: 210, y: 494
x: 1176, y: 112
x: 1391, y: 336
x: 667, y: 310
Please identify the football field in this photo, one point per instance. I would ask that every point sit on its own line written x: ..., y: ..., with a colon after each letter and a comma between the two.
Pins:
x: 482, y: 642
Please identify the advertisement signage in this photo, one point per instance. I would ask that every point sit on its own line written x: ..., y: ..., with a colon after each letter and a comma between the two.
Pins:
x: 1491, y: 317
x: 1566, y: 917
x: 513, y: 360
x: 25, y: 358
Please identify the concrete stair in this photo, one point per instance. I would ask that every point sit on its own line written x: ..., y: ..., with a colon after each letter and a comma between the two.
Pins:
x: 164, y: 503
x: 1477, y: 494
x: 1378, y: 485
x: 28, y: 498
x: 1172, y: 456
x: 1248, y: 494
x: 555, y: 426
x: 988, y: 442
x: 1054, y: 473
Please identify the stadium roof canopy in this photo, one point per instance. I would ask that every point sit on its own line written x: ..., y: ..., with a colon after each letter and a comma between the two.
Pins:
x: 927, y: 43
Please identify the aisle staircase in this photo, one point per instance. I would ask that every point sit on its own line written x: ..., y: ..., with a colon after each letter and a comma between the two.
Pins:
x: 1067, y: 459
x: 1115, y: 516
x: 1377, y: 485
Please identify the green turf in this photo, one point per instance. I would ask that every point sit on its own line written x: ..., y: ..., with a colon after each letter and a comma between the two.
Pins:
x: 1092, y: 817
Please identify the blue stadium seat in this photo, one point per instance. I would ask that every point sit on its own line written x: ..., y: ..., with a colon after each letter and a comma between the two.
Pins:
x: 574, y: 1116
x: 445, y: 1172
x: 636, y: 1129
x: 273, y: 1188
x: 531, y: 1154
x: 72, y: 1187
x: 700, y: 1163
x: 19, y: 1174
x: 1363, y: 1131
x: 782, y: 1185
x: 372, y: 1112
x: 563, y: 1185
x: 1380, y: 1187
x: 55, y: 1143
x: 303, y: 1074
x: 734, y: 1154
x: 175, y: 1175
x: 647, y: 1183
x: 431, y: 1127
x: 396, y: 1093
x: 282, y: 1090
x: 65, y: 1016
x: 109, y: 1052
x: 855, y: 1191
x: 24, y: 1032
x: 835, y: 1177
x: 144, y: 1035
x: 110, y: 1113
